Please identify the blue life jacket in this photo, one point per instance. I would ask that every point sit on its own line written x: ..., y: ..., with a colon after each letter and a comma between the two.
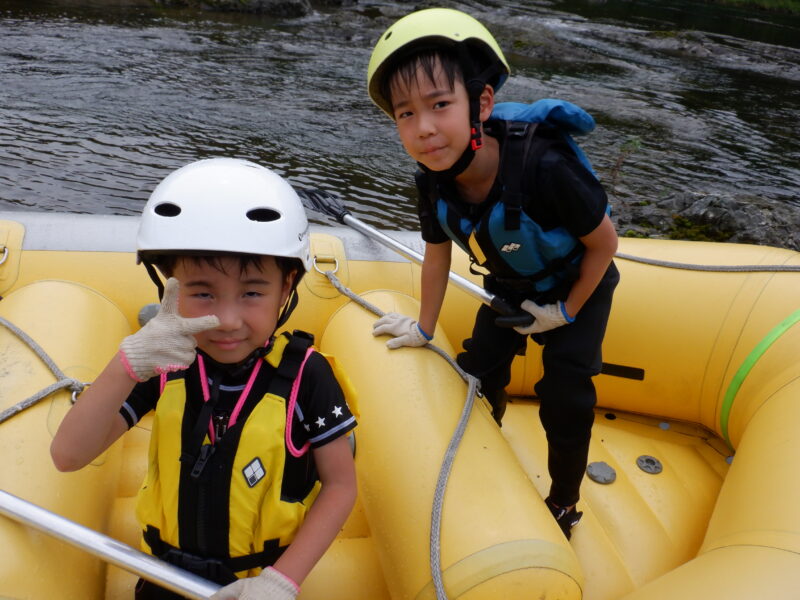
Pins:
x: 505, y: 240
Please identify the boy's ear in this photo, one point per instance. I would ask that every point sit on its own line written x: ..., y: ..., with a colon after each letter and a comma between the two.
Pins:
x: 486, y: 102
x: 288, y: 281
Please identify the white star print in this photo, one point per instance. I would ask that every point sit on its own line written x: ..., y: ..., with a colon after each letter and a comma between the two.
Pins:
x: 307, y: 426
x: 337, y: 411
x: 320, y: 422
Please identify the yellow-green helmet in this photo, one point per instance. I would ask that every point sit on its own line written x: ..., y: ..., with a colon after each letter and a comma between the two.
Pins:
x: 427, y: 28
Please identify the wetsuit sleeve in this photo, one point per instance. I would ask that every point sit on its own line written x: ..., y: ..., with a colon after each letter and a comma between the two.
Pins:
x: 431, y: 231
x: 142, y: 399
x: 571, y: 196
x: 324, y: 414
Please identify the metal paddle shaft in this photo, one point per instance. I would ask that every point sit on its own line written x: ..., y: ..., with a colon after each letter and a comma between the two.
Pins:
x: 110, y: 550
x: 328, y: 204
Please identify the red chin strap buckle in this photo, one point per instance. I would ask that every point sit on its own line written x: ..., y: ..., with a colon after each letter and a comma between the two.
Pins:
x: 475, y: 141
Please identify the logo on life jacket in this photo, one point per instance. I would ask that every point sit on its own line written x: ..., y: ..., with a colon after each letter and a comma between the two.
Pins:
x: 512, y: 247
x: 254, y: 472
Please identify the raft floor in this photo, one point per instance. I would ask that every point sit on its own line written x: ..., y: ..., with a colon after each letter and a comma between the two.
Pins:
x: 643, y: 524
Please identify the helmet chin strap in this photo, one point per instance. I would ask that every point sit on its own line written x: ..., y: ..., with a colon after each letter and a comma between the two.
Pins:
x: 474, y: 90
x: 151, y: 270
x: 291, y: 301
x: 288, y: 308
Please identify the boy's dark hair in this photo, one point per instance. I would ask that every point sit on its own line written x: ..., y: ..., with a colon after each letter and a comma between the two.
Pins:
x: 166, y: 262
x: 406, y: 69
x: 462, y: 63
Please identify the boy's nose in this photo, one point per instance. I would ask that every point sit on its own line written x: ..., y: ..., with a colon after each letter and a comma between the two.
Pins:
x: 229, y: 318
x: 425, y: 125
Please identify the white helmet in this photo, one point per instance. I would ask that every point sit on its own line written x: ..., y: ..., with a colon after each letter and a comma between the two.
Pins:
x: 224, y: 205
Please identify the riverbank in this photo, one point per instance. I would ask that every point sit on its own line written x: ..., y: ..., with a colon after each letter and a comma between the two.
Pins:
x: 709, y: 217
x: 784, y: 6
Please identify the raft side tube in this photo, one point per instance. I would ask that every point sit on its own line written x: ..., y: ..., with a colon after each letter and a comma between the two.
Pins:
x: 498, y: 538
x: 80, y: 330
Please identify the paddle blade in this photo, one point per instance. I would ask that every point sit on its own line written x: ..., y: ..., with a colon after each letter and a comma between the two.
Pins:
x: 322, y: 201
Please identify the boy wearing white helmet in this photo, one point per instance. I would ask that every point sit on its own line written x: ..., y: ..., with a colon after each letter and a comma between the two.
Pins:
x: 519, y: 199
x: 250, y: 473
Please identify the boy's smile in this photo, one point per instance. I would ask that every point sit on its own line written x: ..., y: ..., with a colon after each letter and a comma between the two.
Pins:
x: 247, y: 303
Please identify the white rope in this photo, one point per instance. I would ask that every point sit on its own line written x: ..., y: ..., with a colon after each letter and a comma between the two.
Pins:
x: 450, y: 453
x: 715, y: 268
x: 63, y: 381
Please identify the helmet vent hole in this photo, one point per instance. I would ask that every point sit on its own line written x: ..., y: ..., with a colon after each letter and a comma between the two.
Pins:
x: 263, y: 215
x: 167, y: 209
x: 388, y: 35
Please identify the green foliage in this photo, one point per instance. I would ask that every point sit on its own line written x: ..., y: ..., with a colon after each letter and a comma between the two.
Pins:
x: 524, y: 45
x: 663, y: 34
x: 686, y: 229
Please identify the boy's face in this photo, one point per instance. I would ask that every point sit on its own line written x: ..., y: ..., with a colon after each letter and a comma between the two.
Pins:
x: 432, y: 119
x: 247, y: 303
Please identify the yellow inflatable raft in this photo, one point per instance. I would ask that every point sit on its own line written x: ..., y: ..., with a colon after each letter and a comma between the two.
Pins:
x: 693, y: 491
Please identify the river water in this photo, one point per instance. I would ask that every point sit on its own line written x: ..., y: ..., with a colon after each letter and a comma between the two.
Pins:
x: 99, y: 101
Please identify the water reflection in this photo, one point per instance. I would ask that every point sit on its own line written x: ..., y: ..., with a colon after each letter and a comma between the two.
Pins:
x: 99, y: 102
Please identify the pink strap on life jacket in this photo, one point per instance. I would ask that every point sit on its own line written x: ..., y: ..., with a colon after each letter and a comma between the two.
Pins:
x: 290, y: 410
x: 239, y: 403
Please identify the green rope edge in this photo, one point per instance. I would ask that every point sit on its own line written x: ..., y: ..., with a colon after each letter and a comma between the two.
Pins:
x: 747, y: 366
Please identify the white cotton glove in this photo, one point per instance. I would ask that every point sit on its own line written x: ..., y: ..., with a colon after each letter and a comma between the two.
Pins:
x: 405, y: 330
x: 166, y: 343
x: 546, y: 317
x: 270, y: 584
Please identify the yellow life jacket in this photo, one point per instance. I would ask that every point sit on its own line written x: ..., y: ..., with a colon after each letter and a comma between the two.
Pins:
x: 227, y: 507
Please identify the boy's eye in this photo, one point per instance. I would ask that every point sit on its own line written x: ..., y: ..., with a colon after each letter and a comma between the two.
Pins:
x: 253, y: 294
x: 201, y: 295
x: 403, y: 115
x: 441, y: 104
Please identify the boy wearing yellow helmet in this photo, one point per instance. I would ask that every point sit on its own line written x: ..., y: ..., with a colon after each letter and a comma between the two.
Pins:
x: 520, y: 199
x: 250, y: 473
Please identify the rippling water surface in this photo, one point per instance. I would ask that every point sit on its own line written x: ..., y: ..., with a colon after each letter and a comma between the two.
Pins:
x: 100, y: 101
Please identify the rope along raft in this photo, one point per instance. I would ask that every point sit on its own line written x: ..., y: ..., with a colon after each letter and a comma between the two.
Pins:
x: 715, y: 268
x: 449, y: 455
x: 63, y: 381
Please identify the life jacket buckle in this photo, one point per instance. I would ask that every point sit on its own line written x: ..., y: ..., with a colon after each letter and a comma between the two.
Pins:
x: 220, y: 425
x: 206, y: 451
x: 517, y: 128
x: 210, y: 568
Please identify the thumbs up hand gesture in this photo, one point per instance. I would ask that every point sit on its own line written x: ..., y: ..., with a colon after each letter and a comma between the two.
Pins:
x: 166, y: 343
